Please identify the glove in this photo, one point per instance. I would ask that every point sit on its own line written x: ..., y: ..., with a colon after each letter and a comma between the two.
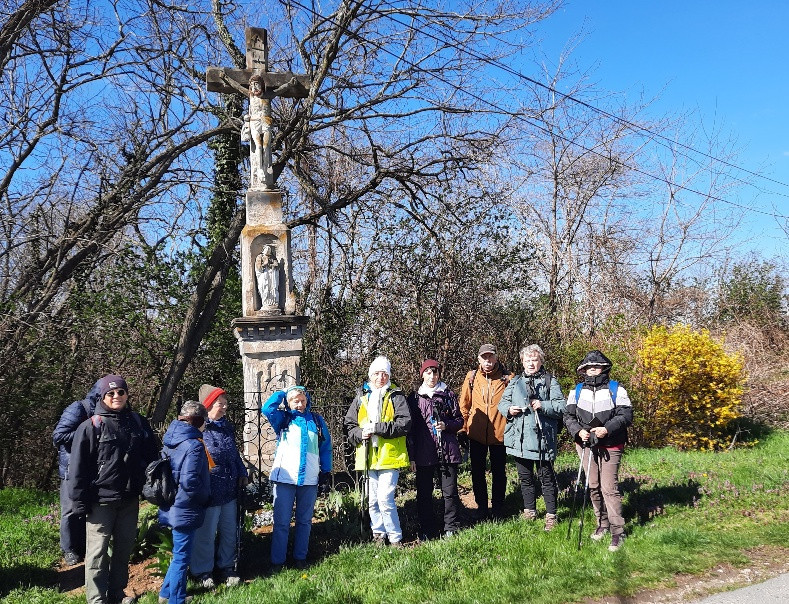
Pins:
x: 324, y: 483
x: 79, y: 509
x: 368, y: 430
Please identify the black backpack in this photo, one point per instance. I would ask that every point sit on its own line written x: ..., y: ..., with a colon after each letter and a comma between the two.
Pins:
x: 160, y: 487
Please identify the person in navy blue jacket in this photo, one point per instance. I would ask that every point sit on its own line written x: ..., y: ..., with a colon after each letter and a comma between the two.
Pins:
x: 72, y: 526
x: 303, y: 458
x: 190, y: 462
x: 227, y: 476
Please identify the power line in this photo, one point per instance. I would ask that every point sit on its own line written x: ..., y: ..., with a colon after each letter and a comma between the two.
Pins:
x: 635, y: 127
x: 524, y: 118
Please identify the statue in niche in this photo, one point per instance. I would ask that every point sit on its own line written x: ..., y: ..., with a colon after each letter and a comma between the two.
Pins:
x: 257, y: 131
x: 267, y: 274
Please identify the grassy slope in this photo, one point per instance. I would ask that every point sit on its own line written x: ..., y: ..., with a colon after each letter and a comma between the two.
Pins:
x: 687, y: 511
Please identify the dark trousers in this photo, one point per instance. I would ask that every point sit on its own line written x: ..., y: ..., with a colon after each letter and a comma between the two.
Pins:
x: 498, y: 460
x: 425, y: 481
x: 529, y: 487
x: 72, y: 527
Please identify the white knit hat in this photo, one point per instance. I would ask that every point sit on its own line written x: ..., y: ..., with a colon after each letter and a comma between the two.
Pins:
x: 380, y: 364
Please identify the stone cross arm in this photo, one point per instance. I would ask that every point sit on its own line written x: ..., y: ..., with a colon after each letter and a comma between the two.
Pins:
x: 276, y: 84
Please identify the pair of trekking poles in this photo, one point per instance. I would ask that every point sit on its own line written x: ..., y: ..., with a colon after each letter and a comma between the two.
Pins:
x: 584, y: 447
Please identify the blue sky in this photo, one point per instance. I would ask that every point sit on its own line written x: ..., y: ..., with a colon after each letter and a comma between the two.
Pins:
x: 727, y: 60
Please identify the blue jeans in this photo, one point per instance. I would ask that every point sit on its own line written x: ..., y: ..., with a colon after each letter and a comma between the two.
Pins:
x: 221, y: 519
x: 383, y: 510
x: 284, y: 497
x: 174, y: 586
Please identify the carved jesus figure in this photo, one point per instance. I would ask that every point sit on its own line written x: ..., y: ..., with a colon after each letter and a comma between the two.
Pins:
x: 267, y: 273
x: 257, y: 130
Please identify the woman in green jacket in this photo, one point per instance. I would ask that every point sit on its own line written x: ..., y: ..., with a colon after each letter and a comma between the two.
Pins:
x: 533, y: 405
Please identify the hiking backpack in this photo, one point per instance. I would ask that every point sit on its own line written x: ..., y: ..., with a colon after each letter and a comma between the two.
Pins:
x: 160, y: 488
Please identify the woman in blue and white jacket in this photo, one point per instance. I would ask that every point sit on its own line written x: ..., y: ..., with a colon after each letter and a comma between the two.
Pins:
x: 303, y: 457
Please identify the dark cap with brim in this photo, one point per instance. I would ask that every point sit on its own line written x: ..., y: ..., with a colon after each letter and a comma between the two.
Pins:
x: 487, y: 349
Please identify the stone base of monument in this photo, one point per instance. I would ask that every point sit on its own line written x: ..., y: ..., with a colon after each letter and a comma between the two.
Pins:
x: 270, y: 349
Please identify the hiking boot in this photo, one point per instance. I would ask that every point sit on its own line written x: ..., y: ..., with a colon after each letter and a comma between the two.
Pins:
x: 300, y: 564
x: 396, y: 544
x: 600, y: 532
x: 379, y: 538
x: 550, y: 521
x: 232, y: 580
x: 72, y: 558
x: 166, y: 600
x: 276, y: 568
x: 530, y: 514
x: 617, y: 541
x: 206, y: 581
x: 449, y: 534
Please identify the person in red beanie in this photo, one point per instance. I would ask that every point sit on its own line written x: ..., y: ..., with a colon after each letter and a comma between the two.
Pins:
x: 228, y: 476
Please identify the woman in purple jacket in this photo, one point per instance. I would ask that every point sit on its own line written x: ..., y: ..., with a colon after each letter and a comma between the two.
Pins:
x: 433, y: 446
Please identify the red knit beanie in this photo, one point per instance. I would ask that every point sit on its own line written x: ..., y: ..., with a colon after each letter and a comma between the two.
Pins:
x: 208, y: 394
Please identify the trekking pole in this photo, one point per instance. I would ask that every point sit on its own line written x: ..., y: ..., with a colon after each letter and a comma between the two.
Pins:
x: 539, y: 434
x: 439, y: 444
x: 239, y: 527
x: 575, y: 493
x: 586, y: 492
x: 364, y: 498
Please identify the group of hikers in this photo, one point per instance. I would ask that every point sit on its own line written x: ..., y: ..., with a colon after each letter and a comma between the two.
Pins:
x: 105, y: 447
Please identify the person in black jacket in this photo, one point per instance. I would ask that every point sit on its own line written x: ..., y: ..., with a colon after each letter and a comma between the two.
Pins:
x: 109, y: 454
x: 72, y: 527
x: 597, y: 416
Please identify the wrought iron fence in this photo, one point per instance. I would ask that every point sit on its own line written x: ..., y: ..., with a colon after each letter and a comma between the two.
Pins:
x: 256, y: 439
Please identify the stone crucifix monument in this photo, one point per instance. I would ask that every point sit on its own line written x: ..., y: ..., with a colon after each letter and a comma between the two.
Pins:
x: 269, y: 334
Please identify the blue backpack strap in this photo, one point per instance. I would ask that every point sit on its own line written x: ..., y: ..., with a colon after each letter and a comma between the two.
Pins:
x: 613, y: 386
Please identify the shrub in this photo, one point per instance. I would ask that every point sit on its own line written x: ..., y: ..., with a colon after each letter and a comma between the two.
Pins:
x: 690, y: 388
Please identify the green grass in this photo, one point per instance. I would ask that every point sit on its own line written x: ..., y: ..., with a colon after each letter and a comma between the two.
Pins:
x: 687, y: 512
x: 29, y: 534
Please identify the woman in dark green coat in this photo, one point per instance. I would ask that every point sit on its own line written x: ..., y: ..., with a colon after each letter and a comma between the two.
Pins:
x: 533, y: 405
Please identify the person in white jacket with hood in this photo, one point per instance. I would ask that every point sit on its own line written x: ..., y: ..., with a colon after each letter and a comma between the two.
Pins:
x: 303, y: 459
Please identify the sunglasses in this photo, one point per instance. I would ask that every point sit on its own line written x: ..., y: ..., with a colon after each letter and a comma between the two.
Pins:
x: 119, y: 392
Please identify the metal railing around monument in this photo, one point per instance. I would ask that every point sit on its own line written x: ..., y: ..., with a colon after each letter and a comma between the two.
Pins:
x: 256, y: 439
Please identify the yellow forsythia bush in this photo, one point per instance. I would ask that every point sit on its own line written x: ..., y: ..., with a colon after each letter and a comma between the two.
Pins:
x: 690, y: 388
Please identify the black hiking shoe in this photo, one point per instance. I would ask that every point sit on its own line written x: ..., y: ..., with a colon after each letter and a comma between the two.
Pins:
x: 617, y: 541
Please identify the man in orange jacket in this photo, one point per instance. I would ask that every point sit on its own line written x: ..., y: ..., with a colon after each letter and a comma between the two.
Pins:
x: 479, y: 399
